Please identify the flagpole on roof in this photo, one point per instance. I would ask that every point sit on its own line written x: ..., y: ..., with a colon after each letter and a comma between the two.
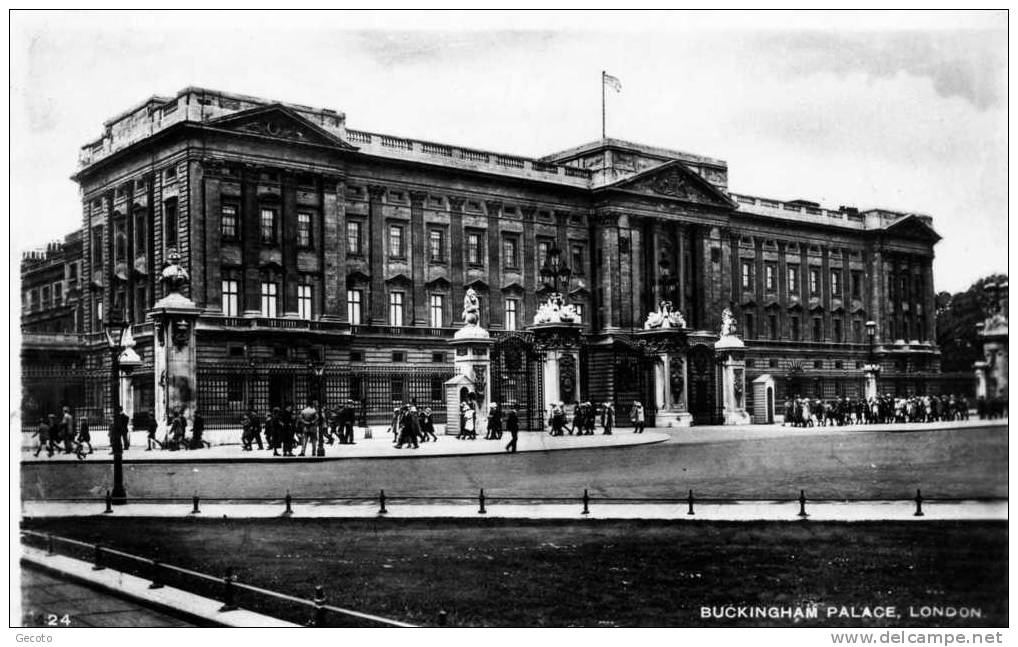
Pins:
x: 602, y: 105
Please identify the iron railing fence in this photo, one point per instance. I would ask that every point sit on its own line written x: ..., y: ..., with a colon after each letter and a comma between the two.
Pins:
x: 228, y: 588
x: 584, y: 500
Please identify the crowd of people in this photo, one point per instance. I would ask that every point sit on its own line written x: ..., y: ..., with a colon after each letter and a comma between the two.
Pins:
x: 585, y: 417
x: 288, y: 429
x: 808, y: 412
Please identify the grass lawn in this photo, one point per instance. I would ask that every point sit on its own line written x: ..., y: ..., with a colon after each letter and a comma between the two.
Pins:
x: 591, y: 573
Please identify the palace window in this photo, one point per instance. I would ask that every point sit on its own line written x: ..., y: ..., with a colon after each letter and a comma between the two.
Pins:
x: 836, y: 283
x: 228, y: 221
x: 140, y: 302
x: 353, y: 238
x: 170, y: 220
x: 474, y: 247
x: 772, y: 325
x: 857, y: 331
x: 793, y: 279
x: 140, y: 240
x: 543, y: 247
x: 436, y: 245
x: 231, y: 298
x: 750, y: 328
x: 268, y: 226
x: 395, y: 308
x: 837, y: 330
x: 171, y: 173
x: 120, y: 245
x: 354, y: 305
x: 747, y: 275
x: 814, y: 281
x: 578, y: 307
x: 99, y: 310
x: 511, y: 312
x: 270, y: 298
x: 510, y: 252
x: 578, y: 257
x: 45, y: 297
x: 304, y: 230
x: 770, y: 277
x: 396, y: 249
x: 438, y: 358
x: 793, y: 326
x: 304, y: 298
x: 436, y: 305
x: 856, y: 285
x: 818, y: 329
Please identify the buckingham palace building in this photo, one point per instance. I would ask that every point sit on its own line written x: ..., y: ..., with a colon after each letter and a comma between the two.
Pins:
x: 332, y: 263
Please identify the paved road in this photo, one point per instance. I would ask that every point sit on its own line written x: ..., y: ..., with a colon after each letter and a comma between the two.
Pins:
x: 739, y: 463
x: 53, y: 602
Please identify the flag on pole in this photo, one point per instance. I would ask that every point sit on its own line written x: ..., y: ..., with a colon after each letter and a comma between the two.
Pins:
x: 612, y: 82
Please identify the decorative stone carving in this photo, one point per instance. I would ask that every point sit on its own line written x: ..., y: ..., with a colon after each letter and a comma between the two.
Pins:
x: 471, y: 308
x: 417, y: 198
x: 174, y: 277
x: 273, y: 128
x: 727, y: 323
x: 664, y: 317
x: 672, y: 183
x: 376, y: 192
x: 556, y: 310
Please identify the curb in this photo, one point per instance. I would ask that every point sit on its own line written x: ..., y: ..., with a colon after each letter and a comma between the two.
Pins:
x: 172, y: 601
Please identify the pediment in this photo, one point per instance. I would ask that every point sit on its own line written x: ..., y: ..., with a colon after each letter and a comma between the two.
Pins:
x: 580, y: 293
x: 513, y: 287
x: 748, y: 303
x: 356, y: 278
x: 399, y: 279
x: 279, y: 122
x: 912, y: 228
x: 440, y: 283
x: 478, y: 284
x: 676, y: 181
x: 816, y: 307
x: 772, y: 305
x: 795, y: 307
x: 857, y: 309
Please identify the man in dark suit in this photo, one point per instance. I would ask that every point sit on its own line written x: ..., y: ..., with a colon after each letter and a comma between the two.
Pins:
x: 512, y: 425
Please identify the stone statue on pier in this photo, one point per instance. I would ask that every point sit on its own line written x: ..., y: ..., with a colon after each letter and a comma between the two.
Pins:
x: 727, y: 323
x: 471, y: 308
x: 664, y: 317
x: 556, y: 310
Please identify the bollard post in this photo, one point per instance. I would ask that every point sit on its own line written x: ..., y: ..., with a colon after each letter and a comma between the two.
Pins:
x: 49, y: 545
x: 918, y: 504
x: 586, y: 502
x: 289, y: 505
x: 229, y: 594
x: 442, y: 617
x: 381, y: 502
x: 480, y: 500
x: 690, y: 502
x: 802, y: 504
x: 109, y: 503
x: 98, y: 559
x: 319, y: 618
x: 194, y: 500
x: 156, y: 580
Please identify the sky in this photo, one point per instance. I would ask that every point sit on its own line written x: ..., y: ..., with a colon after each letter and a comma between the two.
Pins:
x: 900, y: 110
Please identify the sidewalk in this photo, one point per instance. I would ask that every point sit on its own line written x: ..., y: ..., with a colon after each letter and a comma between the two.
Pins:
x: 136, y: 588
x: 380, y: 446
x: 397, y: 509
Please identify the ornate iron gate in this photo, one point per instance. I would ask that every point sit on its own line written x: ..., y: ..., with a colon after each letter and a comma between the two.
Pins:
x: 634, y: 380
x: 703, y: 386
x: 516, y: 378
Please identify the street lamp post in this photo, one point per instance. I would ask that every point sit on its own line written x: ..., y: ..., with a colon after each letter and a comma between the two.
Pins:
x: 116, y: 327
x: 555, y: 270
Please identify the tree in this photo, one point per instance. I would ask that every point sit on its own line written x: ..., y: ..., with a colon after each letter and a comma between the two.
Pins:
x: 957, y: 316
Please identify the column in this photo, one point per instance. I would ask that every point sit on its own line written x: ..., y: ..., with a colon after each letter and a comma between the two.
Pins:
x: 825, y: 290
x: 288, y: 244
x: 211, y: 262
x: 782, y: 279
x: 929, y: 302
x: 333, y: 245
x: 376, y: 255
x: 456, y: 292
x: 251, y: 230
x: 530, y: 263
x: 417, y: 252
x: 494, y: 238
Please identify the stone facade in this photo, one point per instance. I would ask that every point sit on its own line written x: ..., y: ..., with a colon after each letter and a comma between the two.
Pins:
x: 309, y: 243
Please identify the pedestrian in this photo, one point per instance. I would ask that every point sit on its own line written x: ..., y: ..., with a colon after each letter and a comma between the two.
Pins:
x: 512, y: 425
x: 409, y: 428
x: 470, y: 420
x: 608, y: 418
x: 494, y: 423
x: 638, y: 419
x: 309, y: 425
x: 197, y: 431
x: 288, y: 432
x: 42, y: 431
x: 84, y: 438
x: 348, y: 415
x: 153, y: 428
x: 67, y: 430
x: 428, y: 426
x: 118, y: 430
x: 178, y: 429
